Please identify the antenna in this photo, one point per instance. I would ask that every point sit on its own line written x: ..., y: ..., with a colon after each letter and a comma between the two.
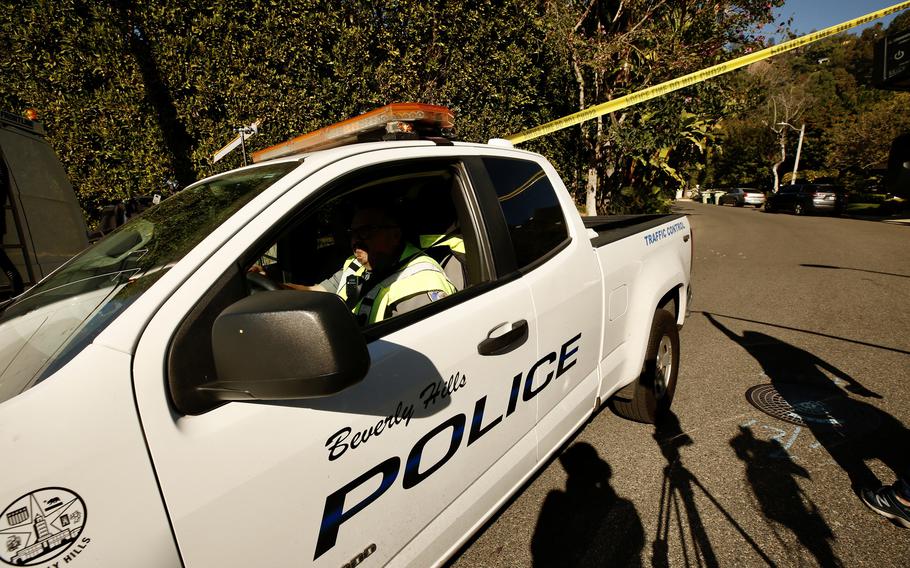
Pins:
x: 243, y: 132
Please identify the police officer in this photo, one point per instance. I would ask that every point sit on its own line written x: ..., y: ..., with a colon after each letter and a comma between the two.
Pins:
x: 386, y: 276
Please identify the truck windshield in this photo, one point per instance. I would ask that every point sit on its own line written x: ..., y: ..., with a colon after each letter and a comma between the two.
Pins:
x: 53, y: 321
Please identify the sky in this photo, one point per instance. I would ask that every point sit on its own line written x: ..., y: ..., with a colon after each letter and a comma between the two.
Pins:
x: 812, y: 15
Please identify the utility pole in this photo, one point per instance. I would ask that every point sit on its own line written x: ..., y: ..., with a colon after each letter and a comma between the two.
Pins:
x: 799, y: 149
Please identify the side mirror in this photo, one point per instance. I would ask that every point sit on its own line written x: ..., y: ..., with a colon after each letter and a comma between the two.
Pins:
x: 286, y: 345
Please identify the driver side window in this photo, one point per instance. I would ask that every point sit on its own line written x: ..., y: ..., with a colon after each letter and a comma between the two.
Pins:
x: 391, y: 241
x: 388, y: 241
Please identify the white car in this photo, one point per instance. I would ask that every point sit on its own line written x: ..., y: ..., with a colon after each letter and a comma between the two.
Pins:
x: 161, y: 405
x: 740, y: 196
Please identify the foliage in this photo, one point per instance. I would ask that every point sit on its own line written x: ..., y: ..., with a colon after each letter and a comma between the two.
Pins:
x: 634, y: 157
x: 811, y: 176
x: 849, y: 123
x: 138, y: 92
x: 134, y: 93
x: 862, y: 141
x: 741, y: 157
x: 66, y: 59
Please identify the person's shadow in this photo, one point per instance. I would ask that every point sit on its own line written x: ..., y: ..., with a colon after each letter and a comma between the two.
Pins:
x: 852, y: 431
x: 772, y: 475
x: 588, y: 524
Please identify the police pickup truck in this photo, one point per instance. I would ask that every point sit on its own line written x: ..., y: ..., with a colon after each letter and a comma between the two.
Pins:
x: 163, y: 404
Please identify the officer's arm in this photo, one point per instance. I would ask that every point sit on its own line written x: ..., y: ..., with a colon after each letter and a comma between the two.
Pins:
x: 304, y: 287
x: 333, y: 282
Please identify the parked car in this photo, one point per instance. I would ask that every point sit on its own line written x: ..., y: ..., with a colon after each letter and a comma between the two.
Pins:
x: 808, y: 198
x: 740, y: 196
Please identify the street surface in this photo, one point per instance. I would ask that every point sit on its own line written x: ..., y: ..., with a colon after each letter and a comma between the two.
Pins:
x: 805, y: 304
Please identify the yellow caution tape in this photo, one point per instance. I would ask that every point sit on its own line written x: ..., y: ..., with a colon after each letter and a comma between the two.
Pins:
x: 693, y: 78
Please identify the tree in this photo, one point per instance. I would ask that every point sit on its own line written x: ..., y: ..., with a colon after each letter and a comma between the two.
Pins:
x: 135, y: 93
x: 861, y: 142
x: 70, y: 61
x: 617, y: 47
x: 900, y: 23
x: 785, y: 104
x: 744, y: 148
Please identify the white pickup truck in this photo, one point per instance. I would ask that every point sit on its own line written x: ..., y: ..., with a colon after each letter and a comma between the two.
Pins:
x: 161, y: 405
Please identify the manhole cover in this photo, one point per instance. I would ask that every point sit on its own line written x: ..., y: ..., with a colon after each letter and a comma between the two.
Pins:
x: 814, y: 407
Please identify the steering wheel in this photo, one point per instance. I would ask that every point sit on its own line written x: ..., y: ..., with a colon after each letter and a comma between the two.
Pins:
x: 260, y: 283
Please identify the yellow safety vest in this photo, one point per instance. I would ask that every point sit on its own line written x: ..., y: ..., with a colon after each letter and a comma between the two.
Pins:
x: 454, y: 243
x: 420, y: 274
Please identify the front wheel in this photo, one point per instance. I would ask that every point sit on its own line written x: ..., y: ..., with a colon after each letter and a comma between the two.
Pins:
x: 798, y: 209
x: 649, y: 397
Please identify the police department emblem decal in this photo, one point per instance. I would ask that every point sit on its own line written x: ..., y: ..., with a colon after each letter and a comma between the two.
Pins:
x: 42, y: 525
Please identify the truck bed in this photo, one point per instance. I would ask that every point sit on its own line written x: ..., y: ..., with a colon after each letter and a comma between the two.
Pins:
x: 610, y: 228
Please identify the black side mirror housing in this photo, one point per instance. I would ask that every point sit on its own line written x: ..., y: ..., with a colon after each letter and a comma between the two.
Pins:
x: 286, y: 345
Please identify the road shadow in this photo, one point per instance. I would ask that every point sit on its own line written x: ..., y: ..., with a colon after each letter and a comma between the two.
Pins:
x: 829, y: 267
x: 851, y: 431
x: 588, y: 524
x: 807, y: 331
x: 772, y: 475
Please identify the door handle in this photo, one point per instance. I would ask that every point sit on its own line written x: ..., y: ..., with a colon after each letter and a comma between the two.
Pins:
x: 508, y: 341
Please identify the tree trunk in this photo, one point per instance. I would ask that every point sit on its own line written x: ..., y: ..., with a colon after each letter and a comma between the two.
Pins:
x: 173, y: 131
x: 593, y: 175
x: 588, y: 145
x: 591, y: 192
x: 783, y: 157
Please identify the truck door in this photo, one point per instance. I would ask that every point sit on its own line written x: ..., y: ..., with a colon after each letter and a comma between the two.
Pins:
x: 553, y: 255
x: 386, y: 469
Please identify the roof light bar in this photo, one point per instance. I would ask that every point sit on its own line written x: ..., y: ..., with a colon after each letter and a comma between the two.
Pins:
x: 395, y: 121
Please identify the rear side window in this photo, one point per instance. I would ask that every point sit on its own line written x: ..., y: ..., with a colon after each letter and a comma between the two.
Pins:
x: 529, y: 204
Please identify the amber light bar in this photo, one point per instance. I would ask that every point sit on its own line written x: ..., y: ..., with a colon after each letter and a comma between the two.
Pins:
x: 423, y: 116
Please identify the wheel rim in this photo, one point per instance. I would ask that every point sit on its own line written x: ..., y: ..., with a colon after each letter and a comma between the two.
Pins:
x: 799, y: 209
x: 664, y: 366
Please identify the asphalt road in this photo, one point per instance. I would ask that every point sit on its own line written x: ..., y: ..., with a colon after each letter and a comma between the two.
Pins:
x: 814, y: 307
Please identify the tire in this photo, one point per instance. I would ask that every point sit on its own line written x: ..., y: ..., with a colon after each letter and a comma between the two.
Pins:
x: 798, y: 209
x: 649, y: 397
x: 768, y: 208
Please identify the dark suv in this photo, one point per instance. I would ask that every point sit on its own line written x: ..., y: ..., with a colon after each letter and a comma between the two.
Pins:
x: 808, y: 198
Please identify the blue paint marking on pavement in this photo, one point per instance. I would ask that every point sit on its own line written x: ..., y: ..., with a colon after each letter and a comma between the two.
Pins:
x: 780, y: 434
